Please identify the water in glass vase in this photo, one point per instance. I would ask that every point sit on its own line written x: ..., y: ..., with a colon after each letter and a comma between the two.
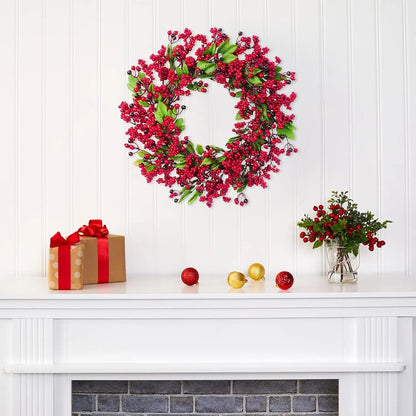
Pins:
x: 342, y: 265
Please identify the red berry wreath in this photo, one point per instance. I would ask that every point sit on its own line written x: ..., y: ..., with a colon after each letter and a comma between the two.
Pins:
x: 260, y: 133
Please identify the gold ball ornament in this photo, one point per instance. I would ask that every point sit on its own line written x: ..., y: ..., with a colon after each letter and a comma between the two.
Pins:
x: 236, y: 280
x: 256, y: 271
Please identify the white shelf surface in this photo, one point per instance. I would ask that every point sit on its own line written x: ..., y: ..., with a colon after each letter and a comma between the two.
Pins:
x: 211, y: 287
x: 200, y: 367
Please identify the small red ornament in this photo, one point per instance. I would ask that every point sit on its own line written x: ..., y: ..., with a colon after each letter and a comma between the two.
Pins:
x: 284, y: 280
x: 190, y: 276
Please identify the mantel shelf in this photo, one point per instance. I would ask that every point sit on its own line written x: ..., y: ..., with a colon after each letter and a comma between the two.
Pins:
x: 211, y: 287
x: 206, y: 368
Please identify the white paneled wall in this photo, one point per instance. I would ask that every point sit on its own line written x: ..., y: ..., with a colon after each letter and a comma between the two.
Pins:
x: 62, y: 160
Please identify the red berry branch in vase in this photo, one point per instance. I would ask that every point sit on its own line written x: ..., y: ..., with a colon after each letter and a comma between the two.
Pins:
x: 342, y: 224
x: 261, y: 132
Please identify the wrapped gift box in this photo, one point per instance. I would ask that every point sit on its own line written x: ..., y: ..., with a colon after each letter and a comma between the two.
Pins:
x: 104, y: 254
x: 66, y: 263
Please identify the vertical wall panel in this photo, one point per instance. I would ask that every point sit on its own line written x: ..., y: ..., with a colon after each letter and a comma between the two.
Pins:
x: 226, y: 219
x: 393, y: 158
x: 409, y: 15
x: 253, y: 217
x: 309, y: 120
x: 63, y: 161
x: 197, y: 237
x: 336, y: 60
x: 30, y: 152
x: 59, y: 118
x: 281, y: 233
x: 170, y: 230
x: 365, y: 114
x: 112, y: 85
x: 86, y: 140
x: 8, y: 135
x: 142, y: 252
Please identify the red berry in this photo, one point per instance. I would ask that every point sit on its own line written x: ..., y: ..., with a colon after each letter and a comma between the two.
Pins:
x: 284, y: 280
x: 302, y: 234
x: 306, y: 239
x: 321, y: 207
x: 315, y: 208
x: 190, y: 276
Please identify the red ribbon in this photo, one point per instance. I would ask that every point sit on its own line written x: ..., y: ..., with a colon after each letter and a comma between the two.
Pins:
x: 64, y: 257
x: 95, y: 228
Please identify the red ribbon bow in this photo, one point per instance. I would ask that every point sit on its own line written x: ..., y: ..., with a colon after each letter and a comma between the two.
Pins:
x: 64, y: 257
x: 57, y: 240
x: 95, y: 228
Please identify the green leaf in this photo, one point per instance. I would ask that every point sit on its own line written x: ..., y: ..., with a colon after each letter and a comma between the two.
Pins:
x: 132, y: 80
x: 241, y: 188
x: 158, y: 117
x: 144, y: 104
x: 141, y: 75
x: 317, y: 243
x: 255, y: 80
x: 223, y: 46
x: 210, y: 50
x: 199, y: 149
x: 233, y: 139
x: 228, y: 57
x: 231, y: 49
x: 179, y: 71
x: 264, y: 110
x: 169, y: 51
x: 131, y: 88
x: 210, y: 68
x: 142, y: 153
x: 179, y: 157
x: 180, y: 165
x: 238, y: 94
x: 256, y: 145
x: 202, y: 76
x: 206, y: 161
x: 162, y: 109
x: 190, y: 147
x: 238, y: 116
x: 179, y: 122
x: 191, y: 87
x: 288, y: 132
x: 185, y: 69
x: 150, y: 168
x: 194, y: 197
x: 185, y: 194
x: 137, y: 162
x: 202, y: 65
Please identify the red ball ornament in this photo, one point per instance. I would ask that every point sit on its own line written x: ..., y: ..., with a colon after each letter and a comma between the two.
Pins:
x: 190, y: 276
x: 284, y: 280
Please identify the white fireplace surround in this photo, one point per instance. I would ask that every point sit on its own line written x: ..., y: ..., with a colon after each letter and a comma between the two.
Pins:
x: 157, y: 328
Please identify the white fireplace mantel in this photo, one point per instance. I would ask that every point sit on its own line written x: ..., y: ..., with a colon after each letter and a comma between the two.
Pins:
x: 157, y: 328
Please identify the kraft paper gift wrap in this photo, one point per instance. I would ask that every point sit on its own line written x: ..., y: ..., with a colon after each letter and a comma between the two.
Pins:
x: 104, y: 254
x: 66, y: 263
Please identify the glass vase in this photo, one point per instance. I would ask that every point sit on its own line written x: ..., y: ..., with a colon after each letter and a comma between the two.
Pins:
x: 342, y: 265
